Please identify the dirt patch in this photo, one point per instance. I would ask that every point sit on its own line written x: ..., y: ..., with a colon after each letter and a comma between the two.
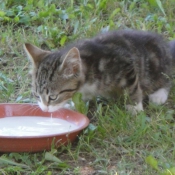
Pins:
x: 87, y: 170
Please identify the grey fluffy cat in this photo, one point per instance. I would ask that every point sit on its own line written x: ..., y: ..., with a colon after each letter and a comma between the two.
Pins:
x: 136, y: 62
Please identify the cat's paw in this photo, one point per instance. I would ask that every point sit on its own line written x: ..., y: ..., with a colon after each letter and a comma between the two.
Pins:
x: 134, y: 109
x: 159, y: 97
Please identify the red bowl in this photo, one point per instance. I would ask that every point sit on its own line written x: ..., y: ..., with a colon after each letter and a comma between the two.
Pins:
x: 39, y: 143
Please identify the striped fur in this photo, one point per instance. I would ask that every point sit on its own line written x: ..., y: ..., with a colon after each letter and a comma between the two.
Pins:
x: 106, y: 65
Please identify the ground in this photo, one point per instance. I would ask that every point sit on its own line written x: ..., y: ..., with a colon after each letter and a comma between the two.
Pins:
x: 115, y: 143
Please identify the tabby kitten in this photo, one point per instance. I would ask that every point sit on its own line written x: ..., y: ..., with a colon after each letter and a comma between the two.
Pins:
x: 136, y: 62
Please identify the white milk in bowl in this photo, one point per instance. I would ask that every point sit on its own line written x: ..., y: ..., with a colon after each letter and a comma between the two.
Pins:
x: 34, y: 126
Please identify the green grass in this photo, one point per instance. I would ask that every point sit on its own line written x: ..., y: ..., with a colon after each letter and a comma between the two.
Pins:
x: 115, y: 142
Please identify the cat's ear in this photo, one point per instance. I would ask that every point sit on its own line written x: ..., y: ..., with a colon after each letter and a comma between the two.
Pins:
x: 35, y: 54
x: 72, y: 62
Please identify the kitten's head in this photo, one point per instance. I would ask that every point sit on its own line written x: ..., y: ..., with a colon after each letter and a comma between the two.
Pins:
x: 55, y: 76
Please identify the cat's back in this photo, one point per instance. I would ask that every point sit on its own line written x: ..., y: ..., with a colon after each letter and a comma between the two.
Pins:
x: 122, y: 41
x: 121, y: 54
x: 125, y: 36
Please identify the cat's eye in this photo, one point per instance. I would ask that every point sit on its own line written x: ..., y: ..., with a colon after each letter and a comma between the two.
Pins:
x: 68, y: 90
x: 53, y: 97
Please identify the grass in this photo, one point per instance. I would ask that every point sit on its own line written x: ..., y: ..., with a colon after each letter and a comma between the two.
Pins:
x: 115, y: 143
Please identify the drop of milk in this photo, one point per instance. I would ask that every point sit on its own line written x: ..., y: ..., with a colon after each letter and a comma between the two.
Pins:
x: 34, y: 126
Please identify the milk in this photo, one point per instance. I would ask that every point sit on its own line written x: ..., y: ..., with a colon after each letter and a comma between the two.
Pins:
x: 34, y: 126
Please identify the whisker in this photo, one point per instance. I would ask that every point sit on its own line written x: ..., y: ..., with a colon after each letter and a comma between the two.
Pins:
x: 34, y: 109
x: 23, y: 106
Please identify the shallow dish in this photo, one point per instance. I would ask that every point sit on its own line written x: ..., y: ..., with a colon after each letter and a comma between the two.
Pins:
x: 35, y: 143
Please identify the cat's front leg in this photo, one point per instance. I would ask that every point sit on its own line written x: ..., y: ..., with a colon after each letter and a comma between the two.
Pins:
x: 134, y: 109
x: 136, y: 96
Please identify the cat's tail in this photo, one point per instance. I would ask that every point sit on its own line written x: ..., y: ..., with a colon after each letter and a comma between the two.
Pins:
x: 172, y: 49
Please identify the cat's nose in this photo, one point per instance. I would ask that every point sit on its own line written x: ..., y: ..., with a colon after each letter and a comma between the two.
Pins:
x: 45, y: 109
